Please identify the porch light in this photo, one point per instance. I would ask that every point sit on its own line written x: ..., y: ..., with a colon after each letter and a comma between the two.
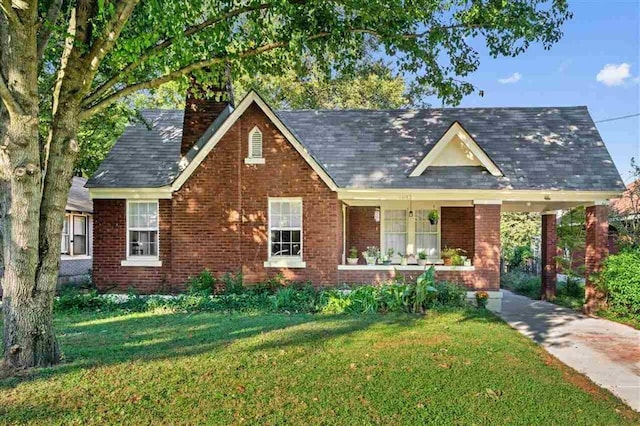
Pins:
x: 376, y: 215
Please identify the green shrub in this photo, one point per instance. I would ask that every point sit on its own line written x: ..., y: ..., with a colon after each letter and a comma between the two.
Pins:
x: 450, y: 294
x: 232, y: 283
x: 620, y: 280
x: 364, y: 300
x: 521, y: 283
x: 203, y: 283
x: 334, y: 301
x: 73, y: 300
x: 391, y: 298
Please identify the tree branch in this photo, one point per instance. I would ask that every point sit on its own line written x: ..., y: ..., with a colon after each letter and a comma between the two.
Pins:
x: 153, y: 83
x: 48, y: 24
x: 112, y: 30
x: 7, y: 8
x: 154, y: 50
x: 9, y: 101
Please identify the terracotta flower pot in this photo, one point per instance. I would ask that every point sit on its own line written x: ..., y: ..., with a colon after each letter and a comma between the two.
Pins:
x: 448, y: 261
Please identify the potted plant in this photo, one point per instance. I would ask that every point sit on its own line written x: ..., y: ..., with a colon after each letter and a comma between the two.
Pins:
x: 371, y: 255
x: 387, y: 259
x: 352, y: 259
x: 433, y: 216
x: 422, y: 258
x: 448, y: 254
x: 458, y: 259
x: 404, y: 259
x: 482, y: 297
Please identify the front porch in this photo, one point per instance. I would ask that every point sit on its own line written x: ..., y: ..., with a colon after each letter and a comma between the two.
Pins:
x: 399, y: 221
x: 404, y: 227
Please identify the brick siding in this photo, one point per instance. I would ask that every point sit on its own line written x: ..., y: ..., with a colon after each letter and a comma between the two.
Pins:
x: 458, y: 229
x: 362, y: 229
x: 218, y: 219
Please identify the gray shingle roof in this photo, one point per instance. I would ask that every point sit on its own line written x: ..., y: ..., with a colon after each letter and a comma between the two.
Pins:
x: 535, y: 148
x: 146, y: 155
x: 79, y: 199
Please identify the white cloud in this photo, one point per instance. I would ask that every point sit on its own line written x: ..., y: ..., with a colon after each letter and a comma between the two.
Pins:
x: 614, y: 74
x: 513, y: 78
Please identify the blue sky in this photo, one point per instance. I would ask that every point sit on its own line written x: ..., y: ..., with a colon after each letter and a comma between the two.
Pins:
x: 601, y: 33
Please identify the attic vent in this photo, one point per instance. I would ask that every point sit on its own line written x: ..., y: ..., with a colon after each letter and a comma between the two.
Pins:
x: 255, y: 144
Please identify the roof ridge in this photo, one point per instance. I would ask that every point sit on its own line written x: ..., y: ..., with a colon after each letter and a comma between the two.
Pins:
x: 431, y: 109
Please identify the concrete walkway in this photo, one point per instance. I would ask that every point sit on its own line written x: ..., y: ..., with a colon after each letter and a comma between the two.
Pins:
x: 605, y: 351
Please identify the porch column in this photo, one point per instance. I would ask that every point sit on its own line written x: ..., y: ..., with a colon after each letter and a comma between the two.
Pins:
x: 549, y: 251
x: 596, y: 252
x: 486, y: 258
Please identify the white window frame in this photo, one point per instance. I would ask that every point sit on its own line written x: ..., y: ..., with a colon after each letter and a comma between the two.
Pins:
x: 285, y: 261
x: 411, y: 228
x: 438, y: 232
x: 69, y: 219
x: 151, y: 261
x: 250, y: 158
x: 383, y: 219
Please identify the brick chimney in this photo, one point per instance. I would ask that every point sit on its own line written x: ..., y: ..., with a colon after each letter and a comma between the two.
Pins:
x: 202, y: 106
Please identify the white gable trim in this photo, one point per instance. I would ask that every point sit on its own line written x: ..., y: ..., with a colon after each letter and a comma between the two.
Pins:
x: 454, y: 130
x: 237, y: 113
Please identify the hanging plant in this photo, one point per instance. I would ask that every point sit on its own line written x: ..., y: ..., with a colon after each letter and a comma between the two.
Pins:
x: 433, y: 216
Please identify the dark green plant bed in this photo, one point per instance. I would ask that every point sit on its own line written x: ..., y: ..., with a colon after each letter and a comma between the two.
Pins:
x: 460, y: 366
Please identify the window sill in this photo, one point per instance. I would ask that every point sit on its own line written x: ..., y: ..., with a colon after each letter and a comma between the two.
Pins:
x: 285, y: 263
x: 148, y: 262
x: 254, y: 161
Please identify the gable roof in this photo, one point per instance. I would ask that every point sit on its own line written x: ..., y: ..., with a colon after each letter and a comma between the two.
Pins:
x: 453, y: 133
x: 545, y: 148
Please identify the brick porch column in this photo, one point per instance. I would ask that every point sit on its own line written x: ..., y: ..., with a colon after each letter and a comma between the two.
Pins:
x: 549, y: 251
x: 486, y: 258
x: 596, y: 251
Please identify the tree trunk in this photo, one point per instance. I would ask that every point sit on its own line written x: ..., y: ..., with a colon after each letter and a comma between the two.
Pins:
x: 28, y: 337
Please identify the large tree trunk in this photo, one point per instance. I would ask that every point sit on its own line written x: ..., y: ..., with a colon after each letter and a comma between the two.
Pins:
x: 28, y: 337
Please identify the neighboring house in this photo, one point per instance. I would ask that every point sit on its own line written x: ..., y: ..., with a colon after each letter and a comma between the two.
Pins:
x: 77, y: 236
x: 265, y: 192
x: 76, y: 247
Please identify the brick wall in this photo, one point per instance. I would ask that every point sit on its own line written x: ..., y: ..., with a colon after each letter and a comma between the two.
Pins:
x: 458, y: 229
x: 595, y: 253
x: 218, y: 219
x: 467, y: 278
x: 362, y: 229
x: 109, y: 249
x: 486, y: 257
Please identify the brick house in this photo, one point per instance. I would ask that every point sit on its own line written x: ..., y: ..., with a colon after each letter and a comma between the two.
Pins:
x: 263, y: 192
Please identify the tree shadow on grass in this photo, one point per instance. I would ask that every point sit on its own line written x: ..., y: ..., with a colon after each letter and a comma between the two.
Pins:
x: 89, y: 343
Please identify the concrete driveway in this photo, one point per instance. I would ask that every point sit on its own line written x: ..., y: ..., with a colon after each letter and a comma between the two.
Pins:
x: 605, y: 351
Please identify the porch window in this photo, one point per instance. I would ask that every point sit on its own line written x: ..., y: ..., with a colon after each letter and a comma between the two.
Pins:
x: 427, y: 236
x: 395, y: 230
x: 142, y: 223
x: 285, y: 227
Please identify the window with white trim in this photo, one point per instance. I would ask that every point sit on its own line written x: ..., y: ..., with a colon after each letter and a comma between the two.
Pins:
x: 395, y: 231
x: 427, y: 236
x: 285, y: 228
x: 75, y: 235
x: 255, y: 143
x: 65, y: 242
x: 142, y: 232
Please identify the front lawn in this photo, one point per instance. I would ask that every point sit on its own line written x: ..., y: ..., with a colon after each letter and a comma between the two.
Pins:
x: 455, y: 367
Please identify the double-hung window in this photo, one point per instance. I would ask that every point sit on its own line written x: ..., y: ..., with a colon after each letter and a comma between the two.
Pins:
x: 395, y: 231
x: 75, y: 235
x: 426, y: 235
x: 285, y: 232
x: 142, y: 231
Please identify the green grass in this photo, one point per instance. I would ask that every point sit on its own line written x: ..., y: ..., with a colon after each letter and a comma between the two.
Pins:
x: 455, y: 367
